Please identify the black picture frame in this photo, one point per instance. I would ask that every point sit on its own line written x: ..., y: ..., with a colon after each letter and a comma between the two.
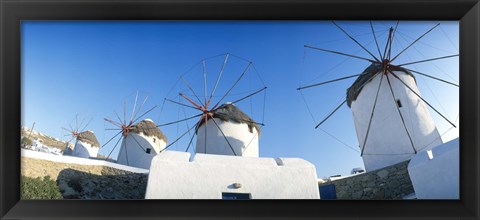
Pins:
x: 12, y: 12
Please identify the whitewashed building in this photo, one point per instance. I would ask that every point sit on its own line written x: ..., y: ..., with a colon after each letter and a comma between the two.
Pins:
x: 392, y: 137
x: 143, y: 141
x: 216, y: 173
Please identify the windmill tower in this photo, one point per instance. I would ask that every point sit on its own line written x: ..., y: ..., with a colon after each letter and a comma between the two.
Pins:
x: 86, y: 143
x: 391, y: 117
x: 140, y: 142
x: 222, y: 129
x: 235, y: 126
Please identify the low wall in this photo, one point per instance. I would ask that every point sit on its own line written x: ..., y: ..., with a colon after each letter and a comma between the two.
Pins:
x: 80, y: 178
x: 392, y: 182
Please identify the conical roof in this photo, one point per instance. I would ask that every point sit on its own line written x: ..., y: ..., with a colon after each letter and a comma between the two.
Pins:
x: 230, y: 112
x: 368, y: 74
x: 89, y: 138
x: 148, y: 128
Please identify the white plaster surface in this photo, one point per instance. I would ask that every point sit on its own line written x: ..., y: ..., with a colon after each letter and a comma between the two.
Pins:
x: 243, y: 142
x: 173, y: 176
x: 133, y: 150
x: 387, y: 141
x: 436, y: 178
x: 85, y: 150
x: 78, y: 160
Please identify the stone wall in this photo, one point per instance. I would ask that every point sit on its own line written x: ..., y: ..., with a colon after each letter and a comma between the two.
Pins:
x: 392, y: 182
x: 78, y: 181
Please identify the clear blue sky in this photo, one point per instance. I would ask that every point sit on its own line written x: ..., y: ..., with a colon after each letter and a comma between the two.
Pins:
x: 90, y: 67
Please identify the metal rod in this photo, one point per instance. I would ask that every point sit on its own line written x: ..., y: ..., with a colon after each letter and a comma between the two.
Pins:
x: 113, y: 148
x: 144, y: 114
x: 141, y: 106
x: 226, y: 139
x: 326, y: 82
x: 340, y: 53
x: 414, y: 42
x: 356, y: 41
x: 204, y: 81
x: 180, y: 120
x: 376, y: 42
x: 134, y: 106
x: 180, y: 103
x: 176, y: 140
x: 191, y: 89
x: 252, y: 94
x: 371, y: 116
x: 113, y: 122
x: 331, y: 113
x: 422, y: 61
x: 400, y: 113
x: 238, y: 80
x: 423, y: 99
x: 218, y: 77
x: 423, y: 74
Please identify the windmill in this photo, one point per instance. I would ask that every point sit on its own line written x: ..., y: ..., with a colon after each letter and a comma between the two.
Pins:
x: 222, y: 127
x: 390, y: 115
x: 140, y: 140
x: 86, y: 143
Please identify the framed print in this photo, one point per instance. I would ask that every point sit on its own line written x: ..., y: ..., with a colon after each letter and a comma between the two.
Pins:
x: 157, y: 109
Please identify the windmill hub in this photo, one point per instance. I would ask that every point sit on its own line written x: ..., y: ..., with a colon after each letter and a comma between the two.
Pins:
x: 385, y: 65
x: 126, y: 129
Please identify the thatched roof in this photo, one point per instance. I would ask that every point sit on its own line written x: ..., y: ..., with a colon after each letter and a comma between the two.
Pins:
x: 89, y: 138
x: 230, y: 112
x: 354, y: 90
x: 148, y: 128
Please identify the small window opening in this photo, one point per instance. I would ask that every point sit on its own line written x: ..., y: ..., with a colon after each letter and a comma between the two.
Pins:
x: 148, y: 150
x: 154, y: 139
x: 235, y: 195
x: 399, y: 104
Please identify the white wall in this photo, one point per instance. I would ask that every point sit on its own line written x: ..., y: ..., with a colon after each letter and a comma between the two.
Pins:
x: 438, y: 177
x: 173, y: 176
x: 133, y: 150
x: 387, y: 141
x: 77, y: 160
x: 243, y: 142
x: 85, y: 150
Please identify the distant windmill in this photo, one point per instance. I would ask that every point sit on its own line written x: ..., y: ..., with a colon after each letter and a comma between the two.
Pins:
x: 140, y: 141
x: 221, y: 126
x: 86, y: 143
x: 391, y: 118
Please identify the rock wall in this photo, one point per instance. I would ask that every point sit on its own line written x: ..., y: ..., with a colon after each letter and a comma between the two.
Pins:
x: 392, y: 182
x: 77, y: 181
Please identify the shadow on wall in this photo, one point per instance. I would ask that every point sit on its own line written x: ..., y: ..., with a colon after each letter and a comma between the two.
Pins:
x: 112, y: 184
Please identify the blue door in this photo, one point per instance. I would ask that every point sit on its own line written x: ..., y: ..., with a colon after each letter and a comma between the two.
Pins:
x: 328, y: 192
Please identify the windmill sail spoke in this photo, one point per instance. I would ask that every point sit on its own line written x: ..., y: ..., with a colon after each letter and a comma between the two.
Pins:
x: 331, y: 113
x: 427, y: 60
x: 88, y: 123
x: 175, y: 141
x: 113, y: 146
x: 205, y: 132
x: 388, y: 42
x: 134, y: 105
x: 226, y: 139
x: 111, y: 139
x: 113, y: 122
x: 180, y: 103
x: 67, y: 130
x: 134, y: 121
x: 118, y: 117
x: 250, y: 95
x: 358, y: 43
x: 340, y: 53
x: 391, y: 41
x: 139, y: 145
x: 233, y: 86
x: 376, y: 42
x: 185, y: 119
x: 204, y: 81
x: 423, y: 99
x: 326, y: 82
x: 124, y: 110
x: 424, y: 74
x: 218, y: 77
x: 400, y: 113
x: 191, y: 101
x: 371, y: 116
x: 124, y: 143
x: 191, y: 89
x: 141, y: 106
x: 191, y: 139
x: 415, y: 41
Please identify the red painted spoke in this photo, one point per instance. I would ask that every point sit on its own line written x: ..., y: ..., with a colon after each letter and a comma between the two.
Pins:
x: 113, y: 122
x: 191, y: 101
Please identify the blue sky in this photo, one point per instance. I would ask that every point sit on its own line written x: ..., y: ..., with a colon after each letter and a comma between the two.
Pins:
x: 89, y: 68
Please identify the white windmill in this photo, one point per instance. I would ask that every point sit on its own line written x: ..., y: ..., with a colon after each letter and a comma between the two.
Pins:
x: 391, y: 117
x: 140, y: 142
x: 86, y: 143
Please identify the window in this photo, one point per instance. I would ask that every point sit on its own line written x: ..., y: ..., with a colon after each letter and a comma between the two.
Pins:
x: 148, y: 150
x: 154, y: 140
x: 399, y: 104
x: 235, y: 195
